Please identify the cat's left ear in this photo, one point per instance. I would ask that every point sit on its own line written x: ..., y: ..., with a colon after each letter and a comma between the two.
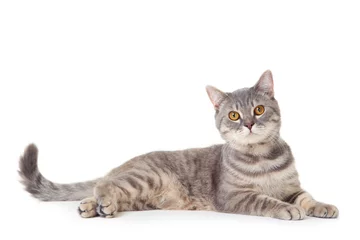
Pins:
x: 265, y: 85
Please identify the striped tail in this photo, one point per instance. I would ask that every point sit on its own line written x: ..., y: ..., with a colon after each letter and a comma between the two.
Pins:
x: 45, y: 190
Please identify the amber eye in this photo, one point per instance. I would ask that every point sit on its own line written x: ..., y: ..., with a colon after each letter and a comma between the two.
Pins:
x: 259, y: 110
x: 234, y: 115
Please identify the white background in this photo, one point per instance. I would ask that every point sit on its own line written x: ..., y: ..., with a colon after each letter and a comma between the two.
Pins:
x: 95, y: 83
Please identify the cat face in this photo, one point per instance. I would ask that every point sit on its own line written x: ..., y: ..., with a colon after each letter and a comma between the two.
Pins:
x: 248, y: 115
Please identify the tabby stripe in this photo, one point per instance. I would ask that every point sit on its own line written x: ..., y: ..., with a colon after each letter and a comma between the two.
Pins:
x: 150, y: 206
x: 252, y: 161
x: 275, y: 153
x: 239, y: 204
x: 142, y: 202
x: 189, y: 163
x: 236, y: 193
x: 231, y: 171
x: 255, y: 174
x: 236, y: 168
x: 126, y: 192
x: 305, y: 198
x: 241, y: 186
x: 146, y: 179
x: 157, y: 173
x: 243, y: 157
x: 248, y: 101
x: 136, y: 175
x: 268, y: 203
x: 150, y: 182
x: 180, y: 169
x: 292, y: 176
x: 135, y: 206
x: 197, y: 167
x: 292, y: 198
x: 221, y: 120
x: 252, y: 157
x: 250, y: 202
x: 161, y: 167
x: 134, y: 184
x: 258, y: 202
x: 275, y: 110
x: 264, y: 204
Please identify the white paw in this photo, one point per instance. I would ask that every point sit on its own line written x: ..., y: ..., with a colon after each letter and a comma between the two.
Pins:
x: 106, y: 207
x: 87, y: 208
x: 323, y: 210
x: 290, y: 212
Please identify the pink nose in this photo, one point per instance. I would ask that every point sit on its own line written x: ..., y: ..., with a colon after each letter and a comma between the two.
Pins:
x: 249, y: 125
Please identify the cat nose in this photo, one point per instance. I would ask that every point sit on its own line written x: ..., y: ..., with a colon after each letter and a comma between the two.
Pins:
x: 249, y: 125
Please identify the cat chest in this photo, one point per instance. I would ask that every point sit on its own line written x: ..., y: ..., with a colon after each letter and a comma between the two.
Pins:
x: 276, y: 184
x: 271, y: 186
x: 266, y: 179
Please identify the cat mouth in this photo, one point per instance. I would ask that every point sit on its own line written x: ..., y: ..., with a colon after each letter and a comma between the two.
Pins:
x: 251, y: 133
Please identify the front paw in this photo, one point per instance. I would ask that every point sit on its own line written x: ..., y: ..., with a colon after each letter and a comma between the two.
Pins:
x: 323, y: 210
x: 290, y: 212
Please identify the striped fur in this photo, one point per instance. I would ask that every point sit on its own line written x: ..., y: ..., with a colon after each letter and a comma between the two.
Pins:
x: 252, y: 173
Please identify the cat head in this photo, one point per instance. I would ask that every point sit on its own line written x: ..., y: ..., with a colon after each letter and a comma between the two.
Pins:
x: 248, y: 115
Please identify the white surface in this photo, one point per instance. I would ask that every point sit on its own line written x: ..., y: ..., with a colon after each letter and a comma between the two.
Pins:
x: 96, y: 83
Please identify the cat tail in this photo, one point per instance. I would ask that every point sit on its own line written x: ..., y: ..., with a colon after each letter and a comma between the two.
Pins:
x: 45, y: 190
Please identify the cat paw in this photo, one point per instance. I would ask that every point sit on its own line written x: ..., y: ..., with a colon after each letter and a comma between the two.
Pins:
x: 106, y: 207
x: 323, y: 210
x: 87, y: 208
x: 290, y: 212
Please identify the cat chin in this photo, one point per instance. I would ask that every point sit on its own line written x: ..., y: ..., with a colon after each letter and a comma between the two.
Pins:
x: 256, y: 137
x: 251, y: 138
x: 248, y: 142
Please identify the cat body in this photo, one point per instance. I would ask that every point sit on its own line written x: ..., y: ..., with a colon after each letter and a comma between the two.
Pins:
x: 252, y: 173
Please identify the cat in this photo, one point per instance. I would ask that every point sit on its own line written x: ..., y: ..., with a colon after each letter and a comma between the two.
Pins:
x: 252, y: 173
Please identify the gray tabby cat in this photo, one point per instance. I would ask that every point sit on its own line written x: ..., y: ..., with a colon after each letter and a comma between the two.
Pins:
x: 252, y: 173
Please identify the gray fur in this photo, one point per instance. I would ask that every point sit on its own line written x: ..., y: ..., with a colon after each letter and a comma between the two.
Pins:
x: 252, y: 173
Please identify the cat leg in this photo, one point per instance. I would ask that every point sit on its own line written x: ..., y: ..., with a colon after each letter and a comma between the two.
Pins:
x: 253, y: 203
x: 130, y: 190
x: 143, y: 187
x: 87, y: 207
x: 312, y: 207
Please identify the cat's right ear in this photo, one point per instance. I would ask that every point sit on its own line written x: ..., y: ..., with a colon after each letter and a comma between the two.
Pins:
x: 216, y: 96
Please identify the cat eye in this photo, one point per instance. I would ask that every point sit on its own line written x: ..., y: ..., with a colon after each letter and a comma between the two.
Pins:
x: 234, y: 115
x: 259, y: 110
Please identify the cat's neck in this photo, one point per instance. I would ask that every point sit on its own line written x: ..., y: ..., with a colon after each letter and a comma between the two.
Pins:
x: 256, y: 149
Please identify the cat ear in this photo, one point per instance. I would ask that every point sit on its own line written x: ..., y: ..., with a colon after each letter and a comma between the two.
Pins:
x: 216, y: 96
x: 265, y: 85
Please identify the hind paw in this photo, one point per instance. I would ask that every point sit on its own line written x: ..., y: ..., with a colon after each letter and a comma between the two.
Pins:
x: 87, y: 208
x: 106, y: 207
